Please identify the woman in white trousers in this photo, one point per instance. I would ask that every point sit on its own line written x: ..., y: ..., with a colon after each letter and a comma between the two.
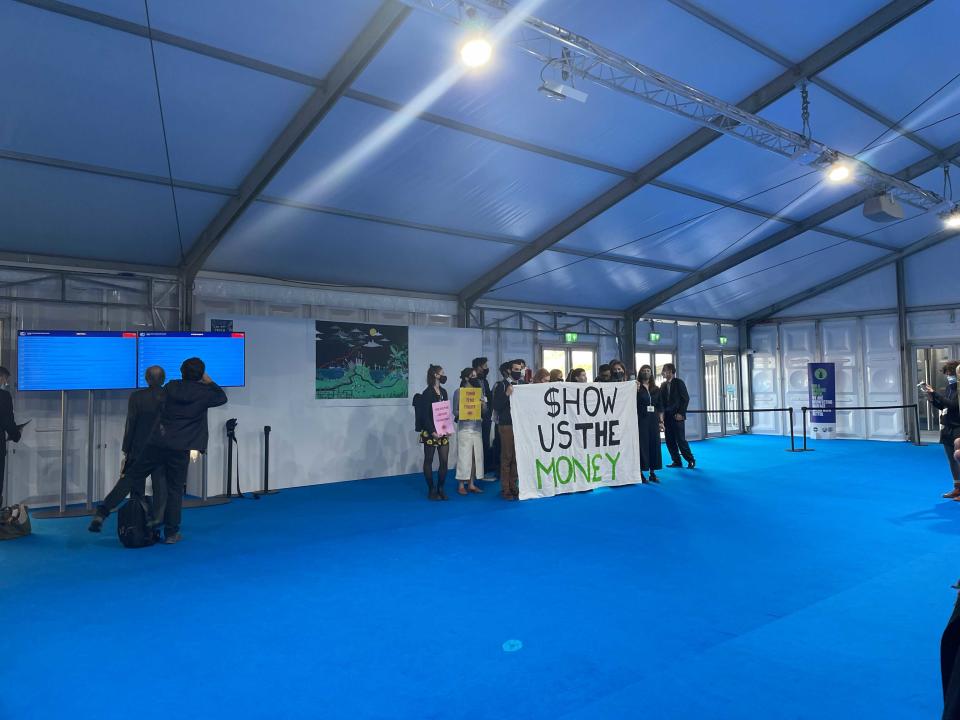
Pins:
x: 469, y: 436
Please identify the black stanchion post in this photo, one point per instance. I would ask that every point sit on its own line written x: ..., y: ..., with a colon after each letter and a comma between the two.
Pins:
x: 266, y: 465
x: 793, y: 447
x: 803, y: 410
x: 916, y: 417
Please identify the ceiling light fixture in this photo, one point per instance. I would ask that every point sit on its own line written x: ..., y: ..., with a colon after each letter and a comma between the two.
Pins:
x: 839, y: 172
x: 476, y: 52
x: 951, y: 218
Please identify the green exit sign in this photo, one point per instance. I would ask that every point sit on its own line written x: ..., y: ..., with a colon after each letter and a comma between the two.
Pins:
x: 654, y: 337
x: 723, y: 339
x: 570, y: 337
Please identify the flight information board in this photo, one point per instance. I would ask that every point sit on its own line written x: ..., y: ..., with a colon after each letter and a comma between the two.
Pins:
x: 73, y: 360
x: 222, y: 353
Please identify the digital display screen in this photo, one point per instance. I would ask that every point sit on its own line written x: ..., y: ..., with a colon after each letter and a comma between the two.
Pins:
x: 69, y: 360
x: 222, y: 353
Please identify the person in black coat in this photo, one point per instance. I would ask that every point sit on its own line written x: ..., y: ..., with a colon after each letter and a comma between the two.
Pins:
x: 675, y: 401
x: 143, y: 410
x: 9, y: 430
x: 948, y: 402
x: 433, y: 443
x: 649, y: 424
x: 182, y: 427
x: 491, y: 445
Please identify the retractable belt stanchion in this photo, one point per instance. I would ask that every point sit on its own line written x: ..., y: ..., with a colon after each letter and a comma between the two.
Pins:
x: 62, y: 510
x: 915, y: 406
x: 266, y: 466
x: 788, y: 410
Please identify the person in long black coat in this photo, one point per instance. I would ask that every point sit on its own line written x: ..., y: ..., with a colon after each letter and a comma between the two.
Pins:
x: 650, y: 423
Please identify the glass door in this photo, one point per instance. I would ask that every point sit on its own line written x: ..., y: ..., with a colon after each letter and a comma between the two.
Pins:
x: 567, y: 358
x: 721, y: 376
x: 928, y: 361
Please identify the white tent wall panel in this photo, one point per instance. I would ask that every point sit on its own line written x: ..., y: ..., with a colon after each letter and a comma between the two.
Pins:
x: 866, y: 352
x: 934, y: 326
x: 930, y: 276
x: 690, y: 370
x: 765, y: 380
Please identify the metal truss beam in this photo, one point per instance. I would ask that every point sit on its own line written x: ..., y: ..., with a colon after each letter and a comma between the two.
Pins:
x: 863, y: 32
x: 578, y: 56
x: 727, y: 29
x: 653, y: 301
x: 919, y: 246
x: 361, y: 51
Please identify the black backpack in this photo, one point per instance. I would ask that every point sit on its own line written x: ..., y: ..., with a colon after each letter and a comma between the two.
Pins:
x: 132, y: 521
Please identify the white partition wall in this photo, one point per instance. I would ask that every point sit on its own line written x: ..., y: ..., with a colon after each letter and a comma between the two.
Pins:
x: 316, y: 441
x: 866, y: 352
x: 690, y: 370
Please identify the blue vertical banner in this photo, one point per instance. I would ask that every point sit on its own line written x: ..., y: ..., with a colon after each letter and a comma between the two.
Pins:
x: 822, y: 383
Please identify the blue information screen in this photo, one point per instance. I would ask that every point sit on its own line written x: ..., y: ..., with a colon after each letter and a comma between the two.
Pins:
x: 222, y: 353
x: 67, y: 360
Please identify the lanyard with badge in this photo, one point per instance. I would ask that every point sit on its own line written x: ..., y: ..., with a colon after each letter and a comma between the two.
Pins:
x: 650, y: 407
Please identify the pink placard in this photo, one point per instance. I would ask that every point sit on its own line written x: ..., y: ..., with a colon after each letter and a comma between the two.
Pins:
x: 443, y: 418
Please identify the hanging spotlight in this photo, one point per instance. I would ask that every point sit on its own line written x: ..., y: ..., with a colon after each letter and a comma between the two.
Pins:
x: 839, y: 172
x: 951, y: 218
x: 476, y: 52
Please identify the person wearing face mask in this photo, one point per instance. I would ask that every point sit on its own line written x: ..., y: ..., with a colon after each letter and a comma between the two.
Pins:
x: 469, y: 436
x: 604, y: 374
x: 433, y: 443
x: 491, y: 443
x: 618, y: 371
x: 509, y: 487
x: 947, y: 402
x: 9, y: 430
x: 649, y: 423
x: 541, y: 376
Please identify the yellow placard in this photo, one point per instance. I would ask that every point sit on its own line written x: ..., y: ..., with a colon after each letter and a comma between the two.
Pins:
x: 470, y: 403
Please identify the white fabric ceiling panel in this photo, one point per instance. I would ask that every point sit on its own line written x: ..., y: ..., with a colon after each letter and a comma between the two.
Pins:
x: 77, y: 91
x: 430, y: 174
x: 557, y: 279
x: 653, y: 222
x: 795, y: 39
x: 75, y: 214
x: 221, y: 117
x: 132, y: 10
x: 898, y: 70
x: 873, y: 291
x: 285, y: 242
x: 789, y: 268
x: 302, y: 35
x: 930, y: 277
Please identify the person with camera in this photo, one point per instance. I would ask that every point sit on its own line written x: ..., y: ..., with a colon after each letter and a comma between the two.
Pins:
x: 512, y: 375
x: 947, y: 402
x: 180, y: 430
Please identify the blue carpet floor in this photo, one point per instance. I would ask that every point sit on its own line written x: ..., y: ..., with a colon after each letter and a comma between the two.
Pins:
x: 763, y: 584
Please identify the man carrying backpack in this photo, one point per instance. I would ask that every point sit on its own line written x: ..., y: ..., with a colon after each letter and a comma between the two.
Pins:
x: 182, y: 427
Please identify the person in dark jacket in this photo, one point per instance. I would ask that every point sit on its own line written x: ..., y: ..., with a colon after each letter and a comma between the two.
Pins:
x: 509, y: 485
x: 433, y: 442
x: 948, y: 403
x: 143, y: 410
x: 9, y: 430
x: 649, y: 423
x: 491, y: 454
x: 675, y: 400
x: 182, y: 427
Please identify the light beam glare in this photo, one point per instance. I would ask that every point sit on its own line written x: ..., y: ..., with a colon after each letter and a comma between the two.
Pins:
x: 316, y: 189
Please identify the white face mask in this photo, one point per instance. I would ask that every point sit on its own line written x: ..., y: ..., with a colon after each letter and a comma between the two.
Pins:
x: 952, y: 379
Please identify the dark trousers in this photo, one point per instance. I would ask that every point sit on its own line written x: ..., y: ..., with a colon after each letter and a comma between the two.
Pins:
x: 442, y: 452
x: 169, y: 470
x: 675, y: 433
x: 3, y: 472
x: 491, y: 454
x: 949, y: 667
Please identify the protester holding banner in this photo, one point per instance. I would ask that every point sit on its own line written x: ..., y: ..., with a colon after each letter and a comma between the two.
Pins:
x: 604, y: 373
x: 948, y: 402
x: 649, y: 424
x: 469, y: 407
x: 675, y: 401
x: 618, y: 371
x: 577, y: 375
x: 509, y: 488
x: 556, y: 376
x: 430, y: 405
x: 491, y: 444
x: 541, y: 376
